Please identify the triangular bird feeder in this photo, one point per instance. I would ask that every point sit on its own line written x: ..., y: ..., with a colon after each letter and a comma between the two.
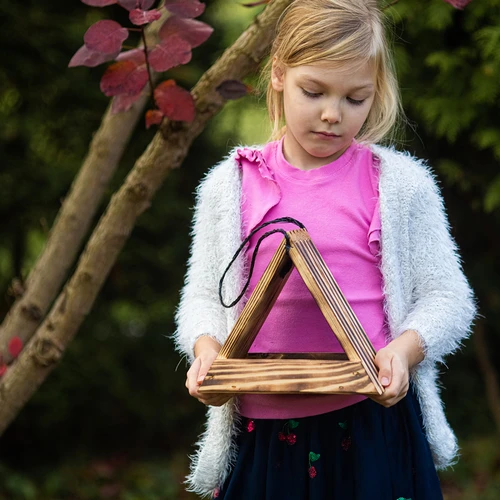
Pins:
x: 236, y: 371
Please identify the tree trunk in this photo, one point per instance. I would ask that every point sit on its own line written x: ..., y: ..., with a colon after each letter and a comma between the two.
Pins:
x: 72, y: 223
x: 165, y: 152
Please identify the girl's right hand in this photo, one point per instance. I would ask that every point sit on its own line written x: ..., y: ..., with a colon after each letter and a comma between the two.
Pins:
x: 206, y: 350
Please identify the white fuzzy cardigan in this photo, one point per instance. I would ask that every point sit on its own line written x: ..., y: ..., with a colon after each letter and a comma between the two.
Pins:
x: 424, y: 290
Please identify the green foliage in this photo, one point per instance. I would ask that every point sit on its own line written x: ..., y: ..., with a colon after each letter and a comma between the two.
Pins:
x: 118, y: 390
x: 111, y: 478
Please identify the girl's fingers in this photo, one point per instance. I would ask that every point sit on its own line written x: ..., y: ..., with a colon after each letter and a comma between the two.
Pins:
x: 192, y: 376
x: 383, y: 360
x: 205, y: 366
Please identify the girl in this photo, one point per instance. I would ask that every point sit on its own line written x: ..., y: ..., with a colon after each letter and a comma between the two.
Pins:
x: 377, y: 218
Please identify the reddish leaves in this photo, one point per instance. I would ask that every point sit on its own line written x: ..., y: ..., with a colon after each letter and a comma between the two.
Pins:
x: 458, y: 4
x: 193, y: 32
x: 136, y: 4
x: 86, y: 57
x: 15, y: 346
x: 124, y: 77
x: 232, y: 89
x: 174, y: 102
x: 140, y: 17
x: 123, y: 102
x: 153, y: 117
x: 185, y: 8
x: 106, y: 37
x: 135, y: 55
x: 170, y: 53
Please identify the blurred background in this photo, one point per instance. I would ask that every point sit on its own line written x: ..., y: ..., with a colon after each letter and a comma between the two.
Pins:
x: 114, y: 419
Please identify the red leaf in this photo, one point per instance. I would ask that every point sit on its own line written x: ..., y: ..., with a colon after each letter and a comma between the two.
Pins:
x: 458, y: 4
x: 15, y: 346
x: 3, y: 369
x: 185, y: 8
x: 136, y: 4
x: 153, y: 117
x: 124, y: 77
x: 194, y: 32
x: 140, y: 17
x: 99, y: 3
x: 169, y: 53
x: 122, y: 103
x: 134, y: 55
x: 86, y: 57
x: 232, y: 89
x: 105, y: 36
x: 175, y: 102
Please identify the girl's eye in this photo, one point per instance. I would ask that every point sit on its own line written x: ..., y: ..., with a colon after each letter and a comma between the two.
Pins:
x: 310, y: 94
x: 356, y: 102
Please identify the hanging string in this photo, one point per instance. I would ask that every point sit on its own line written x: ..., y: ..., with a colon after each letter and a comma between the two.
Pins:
x: 254, y: 255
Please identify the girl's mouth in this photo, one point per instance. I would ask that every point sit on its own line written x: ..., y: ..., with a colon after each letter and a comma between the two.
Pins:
x: 326, y: 135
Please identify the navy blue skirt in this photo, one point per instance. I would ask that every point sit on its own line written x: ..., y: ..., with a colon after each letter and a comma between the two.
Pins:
x: 362, y: 452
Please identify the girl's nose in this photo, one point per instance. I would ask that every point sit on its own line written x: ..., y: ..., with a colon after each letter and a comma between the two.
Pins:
x: 332, y: 113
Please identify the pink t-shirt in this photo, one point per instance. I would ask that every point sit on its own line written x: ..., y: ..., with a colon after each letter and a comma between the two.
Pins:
x: 338, y: 204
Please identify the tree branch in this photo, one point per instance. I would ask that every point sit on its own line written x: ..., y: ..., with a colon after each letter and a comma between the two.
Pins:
x: 165, y: 152
x: 72, y: 223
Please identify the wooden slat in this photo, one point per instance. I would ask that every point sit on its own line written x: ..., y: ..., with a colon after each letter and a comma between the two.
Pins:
x: 258, y: 306
x: 291, y: 376
x: 332, y: 302
x: 355, y: 332
x: 296, y: 373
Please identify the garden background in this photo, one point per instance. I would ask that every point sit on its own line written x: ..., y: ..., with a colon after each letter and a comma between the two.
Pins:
x: 114, y: 419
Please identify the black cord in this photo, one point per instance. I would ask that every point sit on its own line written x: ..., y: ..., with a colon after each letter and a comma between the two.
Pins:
x: 254, y: 255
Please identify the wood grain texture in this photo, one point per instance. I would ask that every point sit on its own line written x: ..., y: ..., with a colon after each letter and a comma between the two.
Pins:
x: 258, y: 306
x: 235, y: 371
x: 290, y: 376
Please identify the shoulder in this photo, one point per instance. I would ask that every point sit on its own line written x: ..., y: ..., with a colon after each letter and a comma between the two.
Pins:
x: 400, y: 169
x: 225, y: 174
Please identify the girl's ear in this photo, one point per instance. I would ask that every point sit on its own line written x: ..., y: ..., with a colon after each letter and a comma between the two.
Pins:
x: 277, y: 76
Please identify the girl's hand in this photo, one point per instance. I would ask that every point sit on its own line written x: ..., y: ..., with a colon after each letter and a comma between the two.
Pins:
x: 394, y: 363
x: 206, y: 350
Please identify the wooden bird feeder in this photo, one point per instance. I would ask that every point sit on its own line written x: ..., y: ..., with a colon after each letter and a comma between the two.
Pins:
x: 236, y: 371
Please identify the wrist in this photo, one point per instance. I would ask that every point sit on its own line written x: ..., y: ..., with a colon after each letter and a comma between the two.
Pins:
x: 206, y: 343
x: 409, y: 345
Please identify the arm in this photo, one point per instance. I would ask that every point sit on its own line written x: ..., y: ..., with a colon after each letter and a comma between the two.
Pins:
x: 202, y: 322
x: 442, y: 305
x: 199, y: 312
x: 443, y: 302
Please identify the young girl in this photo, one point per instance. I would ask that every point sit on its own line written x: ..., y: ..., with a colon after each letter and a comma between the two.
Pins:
x: 377, y: 218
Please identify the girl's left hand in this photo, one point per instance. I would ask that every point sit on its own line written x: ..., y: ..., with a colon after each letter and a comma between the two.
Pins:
x: 394, y: 362
x: 393, y: 375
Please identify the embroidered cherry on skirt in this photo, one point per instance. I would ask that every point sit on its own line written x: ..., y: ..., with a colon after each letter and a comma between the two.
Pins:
x: 362, y: 452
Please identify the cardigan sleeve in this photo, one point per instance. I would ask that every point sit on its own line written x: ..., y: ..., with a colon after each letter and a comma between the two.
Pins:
x: 199, y: 311
x: 443, y: 304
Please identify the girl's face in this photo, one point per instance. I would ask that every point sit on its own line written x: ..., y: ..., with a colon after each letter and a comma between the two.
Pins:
x: 325, y: 107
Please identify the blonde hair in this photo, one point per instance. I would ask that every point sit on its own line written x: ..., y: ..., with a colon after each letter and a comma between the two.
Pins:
x: 342, y: 32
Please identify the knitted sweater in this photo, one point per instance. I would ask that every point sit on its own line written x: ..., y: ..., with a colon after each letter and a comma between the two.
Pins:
x: 424, y: 290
